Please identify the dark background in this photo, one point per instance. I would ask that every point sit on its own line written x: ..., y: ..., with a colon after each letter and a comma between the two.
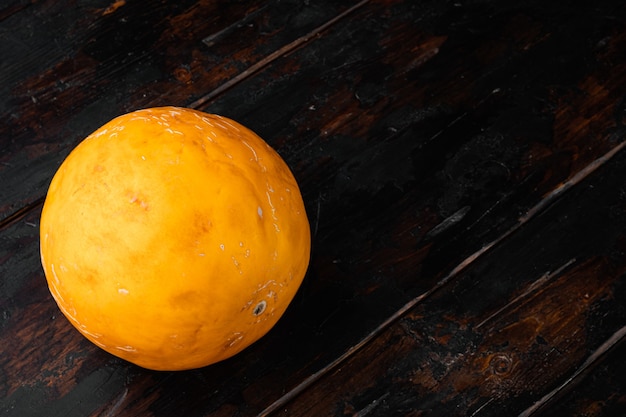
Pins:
x: 462, y: 167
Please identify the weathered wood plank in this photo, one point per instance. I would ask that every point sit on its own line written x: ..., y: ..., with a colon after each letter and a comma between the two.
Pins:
x: 507, y: 331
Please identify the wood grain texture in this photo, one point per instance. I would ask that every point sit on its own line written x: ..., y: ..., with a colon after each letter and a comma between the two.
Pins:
x: 595, y: 391
x: 462, y: 168
x: 503, y: 333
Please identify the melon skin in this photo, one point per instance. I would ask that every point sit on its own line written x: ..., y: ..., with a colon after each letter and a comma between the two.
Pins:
x: 173, y: 238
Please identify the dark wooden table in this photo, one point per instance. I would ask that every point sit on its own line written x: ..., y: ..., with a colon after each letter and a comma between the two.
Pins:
x: 463, y: 169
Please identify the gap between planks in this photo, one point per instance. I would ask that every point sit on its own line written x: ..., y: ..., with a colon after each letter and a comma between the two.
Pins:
x: 595, y: 357
x: 20, y: 213
x: 533, y: 212
x: 254, y: 68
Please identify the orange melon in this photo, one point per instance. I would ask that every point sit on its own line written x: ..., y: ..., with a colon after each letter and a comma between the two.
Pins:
x: 173, y: 238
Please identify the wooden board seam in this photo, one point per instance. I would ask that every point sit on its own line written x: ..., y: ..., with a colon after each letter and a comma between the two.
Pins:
x: 258, y: 66
x: 596, y: 356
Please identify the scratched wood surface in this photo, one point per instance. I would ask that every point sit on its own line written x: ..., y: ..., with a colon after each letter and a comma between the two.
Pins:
x: 462, y: 167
